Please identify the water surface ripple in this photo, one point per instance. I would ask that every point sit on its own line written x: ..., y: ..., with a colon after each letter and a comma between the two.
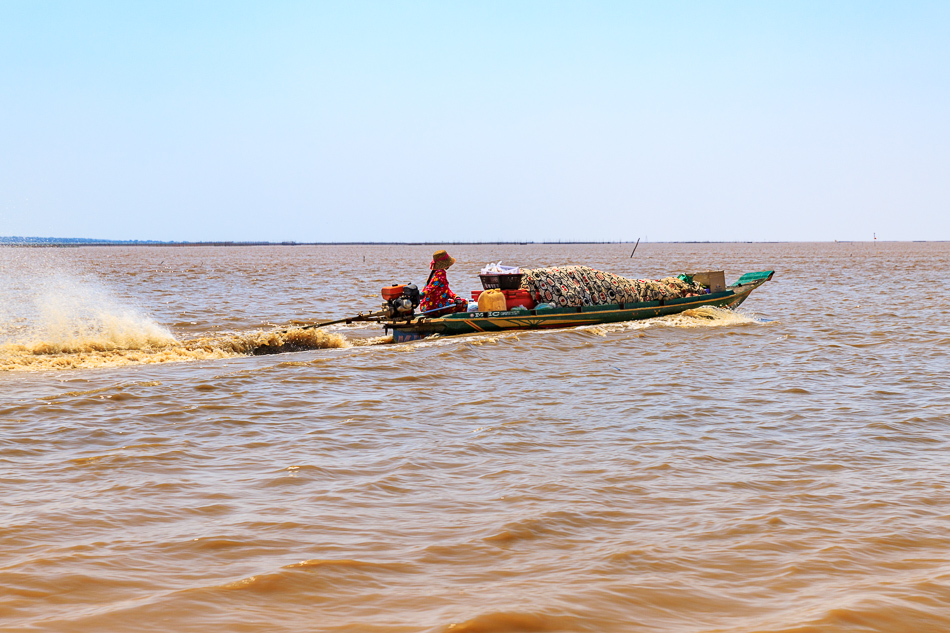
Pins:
x: 782, y: 470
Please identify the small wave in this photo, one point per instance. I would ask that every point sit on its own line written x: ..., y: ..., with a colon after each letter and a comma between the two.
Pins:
x: 708, y: 316
x: 347, y: 564
x: 532, y: 528
x: 315, y: 575
x: 702, y: 317
x: 372, y: 340
x: 507, y: 622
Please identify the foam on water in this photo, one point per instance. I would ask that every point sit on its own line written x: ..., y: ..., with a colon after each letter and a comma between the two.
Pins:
x: 60, y: 321
x: 708, y: 316
x: 62, y: 314
x: 703, y: 317
x: 82, y: 354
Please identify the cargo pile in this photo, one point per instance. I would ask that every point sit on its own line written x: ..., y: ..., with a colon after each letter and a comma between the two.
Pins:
x: 575, y: 286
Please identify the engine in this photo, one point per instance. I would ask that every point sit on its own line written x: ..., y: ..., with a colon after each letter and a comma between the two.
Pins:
x: 401, y: 301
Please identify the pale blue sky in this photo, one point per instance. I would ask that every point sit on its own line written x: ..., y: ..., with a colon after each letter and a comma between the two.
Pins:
x: 480, y: 120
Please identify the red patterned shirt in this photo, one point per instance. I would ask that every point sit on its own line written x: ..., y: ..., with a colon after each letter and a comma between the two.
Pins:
x: 437, y: 294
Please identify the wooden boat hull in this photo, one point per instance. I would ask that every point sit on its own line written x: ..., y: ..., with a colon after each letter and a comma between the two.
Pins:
x: 475, y: 322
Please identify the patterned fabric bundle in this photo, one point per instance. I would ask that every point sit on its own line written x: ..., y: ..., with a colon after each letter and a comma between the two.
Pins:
x: 582, y: 286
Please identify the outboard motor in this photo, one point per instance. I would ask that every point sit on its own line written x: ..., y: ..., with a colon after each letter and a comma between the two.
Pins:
x: 412, y: 293
x: 401, y: 301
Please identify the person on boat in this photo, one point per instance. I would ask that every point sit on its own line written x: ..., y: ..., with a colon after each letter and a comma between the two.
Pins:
x: 437, y: 293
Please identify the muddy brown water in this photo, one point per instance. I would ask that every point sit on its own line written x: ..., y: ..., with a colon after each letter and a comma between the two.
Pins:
x: 781, y: 469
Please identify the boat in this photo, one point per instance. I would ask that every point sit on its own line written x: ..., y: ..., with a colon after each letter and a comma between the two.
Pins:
x: 422, y: 326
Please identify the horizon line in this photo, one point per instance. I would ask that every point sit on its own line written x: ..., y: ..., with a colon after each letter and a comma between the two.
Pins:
x: 40, y: 242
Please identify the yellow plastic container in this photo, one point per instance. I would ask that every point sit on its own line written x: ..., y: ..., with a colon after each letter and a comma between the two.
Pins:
x: 492, y: 301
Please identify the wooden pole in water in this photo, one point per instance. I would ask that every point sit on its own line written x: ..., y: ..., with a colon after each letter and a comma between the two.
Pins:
x: 635, y: 247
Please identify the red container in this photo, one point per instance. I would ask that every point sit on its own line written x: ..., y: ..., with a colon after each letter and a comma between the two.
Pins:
x: 391, y: 292
x: 513, y: 298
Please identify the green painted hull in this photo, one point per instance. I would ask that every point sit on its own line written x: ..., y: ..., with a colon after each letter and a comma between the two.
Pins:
x: 475, y: 322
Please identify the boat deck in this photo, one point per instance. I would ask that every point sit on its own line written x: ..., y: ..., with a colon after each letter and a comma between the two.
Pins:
x: 551, y: 318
